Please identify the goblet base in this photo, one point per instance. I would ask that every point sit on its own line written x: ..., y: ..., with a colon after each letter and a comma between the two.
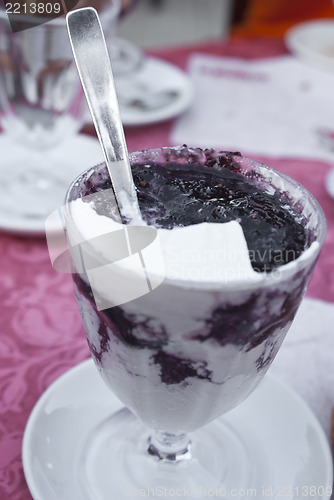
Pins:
x: 34, y: 183
x: 220, y: 461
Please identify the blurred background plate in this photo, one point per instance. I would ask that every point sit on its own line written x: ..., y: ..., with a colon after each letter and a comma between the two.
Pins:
x: 23, y: 210
x: 154, y: 92
x: 329, y: 182
x: 313, y: 42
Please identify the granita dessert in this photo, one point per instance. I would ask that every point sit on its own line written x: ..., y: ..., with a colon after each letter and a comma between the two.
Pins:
x: 200, y: 342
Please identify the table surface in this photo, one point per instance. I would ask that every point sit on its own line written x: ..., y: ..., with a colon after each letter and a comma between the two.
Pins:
x: 41, y: 335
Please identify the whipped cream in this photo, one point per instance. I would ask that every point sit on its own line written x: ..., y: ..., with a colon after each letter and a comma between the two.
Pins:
x: 123, y: 263
x: 207, y: 252
x: 202, y: 252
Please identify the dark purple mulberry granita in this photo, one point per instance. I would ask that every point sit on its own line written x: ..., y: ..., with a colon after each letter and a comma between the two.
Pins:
x: 180, y: 356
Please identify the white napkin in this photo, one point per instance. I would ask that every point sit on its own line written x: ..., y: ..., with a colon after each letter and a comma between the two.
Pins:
x: 306, y: 359
x: 276, y: 107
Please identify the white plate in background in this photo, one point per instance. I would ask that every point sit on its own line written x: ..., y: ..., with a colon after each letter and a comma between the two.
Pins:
x: 153, y: 77
x: 329, y: 182
x: 313, y: 41
x: 24, y: 211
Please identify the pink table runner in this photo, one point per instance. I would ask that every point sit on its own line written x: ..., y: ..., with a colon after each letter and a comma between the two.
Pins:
x: 41, y: 335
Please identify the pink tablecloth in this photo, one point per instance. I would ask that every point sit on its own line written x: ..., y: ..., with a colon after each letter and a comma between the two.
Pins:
x: 40, y: 330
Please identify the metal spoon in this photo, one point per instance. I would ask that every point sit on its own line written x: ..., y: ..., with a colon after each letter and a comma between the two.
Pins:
x: 94, y: 68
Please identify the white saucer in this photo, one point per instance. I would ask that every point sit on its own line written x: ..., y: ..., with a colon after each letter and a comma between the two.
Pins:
x: 153, y: 76
x: 313, y: 42
x: 273, y: 419
x: 329, y: 182
x: 23, y: 206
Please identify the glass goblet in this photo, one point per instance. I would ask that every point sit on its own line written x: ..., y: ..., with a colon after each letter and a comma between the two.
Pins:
x: 42, y: 107
x: 188, y: 351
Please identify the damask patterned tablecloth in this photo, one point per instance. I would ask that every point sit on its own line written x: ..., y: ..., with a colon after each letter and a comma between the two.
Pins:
x: 41, y: 335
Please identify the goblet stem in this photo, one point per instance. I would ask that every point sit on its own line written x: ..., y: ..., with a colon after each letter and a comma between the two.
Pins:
x: 170, y: 447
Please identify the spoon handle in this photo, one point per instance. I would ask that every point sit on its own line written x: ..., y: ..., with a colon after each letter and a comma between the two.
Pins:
x: 94, y: 68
